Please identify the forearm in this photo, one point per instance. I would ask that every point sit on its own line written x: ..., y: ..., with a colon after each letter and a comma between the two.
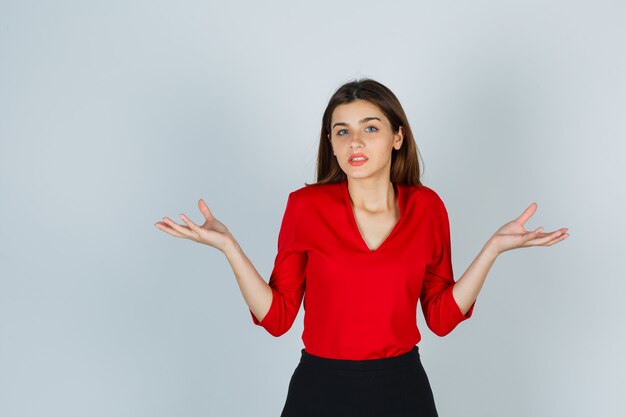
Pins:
x: 466, y: 289
x: 256, y: 292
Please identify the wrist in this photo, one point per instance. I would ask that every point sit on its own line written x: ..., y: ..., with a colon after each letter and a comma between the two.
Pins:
x: 491, y: 249
x: 231, y: 247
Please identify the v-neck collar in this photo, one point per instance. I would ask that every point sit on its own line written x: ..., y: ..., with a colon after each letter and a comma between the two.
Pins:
x: 348, y: 204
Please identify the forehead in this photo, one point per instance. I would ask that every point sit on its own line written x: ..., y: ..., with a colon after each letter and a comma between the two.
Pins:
x: 354, y: 111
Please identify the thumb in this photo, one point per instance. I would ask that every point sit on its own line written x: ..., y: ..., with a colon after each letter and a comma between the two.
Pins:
x: 205, y: 210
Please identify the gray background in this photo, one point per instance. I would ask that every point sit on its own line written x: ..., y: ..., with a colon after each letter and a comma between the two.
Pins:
x: 115, y: 114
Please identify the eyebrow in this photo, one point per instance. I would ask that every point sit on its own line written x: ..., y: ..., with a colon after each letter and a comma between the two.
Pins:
x: 367, y: 119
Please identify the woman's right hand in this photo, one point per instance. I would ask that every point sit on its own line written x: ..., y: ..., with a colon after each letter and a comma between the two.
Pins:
x: 213, y: 232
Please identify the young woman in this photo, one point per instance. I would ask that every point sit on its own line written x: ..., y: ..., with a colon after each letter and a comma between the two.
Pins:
x: 361, y: 246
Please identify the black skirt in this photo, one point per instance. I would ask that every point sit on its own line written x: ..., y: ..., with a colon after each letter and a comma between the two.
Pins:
x: 384, y: 387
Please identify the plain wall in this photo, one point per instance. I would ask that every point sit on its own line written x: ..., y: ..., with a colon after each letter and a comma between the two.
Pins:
x: 115, y: 114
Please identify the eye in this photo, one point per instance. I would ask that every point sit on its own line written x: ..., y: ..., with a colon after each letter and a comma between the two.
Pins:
x: 341, y: 130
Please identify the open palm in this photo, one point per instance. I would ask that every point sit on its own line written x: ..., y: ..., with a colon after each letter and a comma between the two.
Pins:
x: 514, y: 235
x: 212, y: 232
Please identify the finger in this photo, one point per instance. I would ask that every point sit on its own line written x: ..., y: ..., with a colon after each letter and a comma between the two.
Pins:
x: 530, y: 210
x: 531, y: 234
x: 557, y: 239
x: 163, y: 226
x: 205, y: 210
x: 189, y: 223
x: 552, y: 233
x: 180, y: 229
x: 543, y: 241
x: 563, y: 230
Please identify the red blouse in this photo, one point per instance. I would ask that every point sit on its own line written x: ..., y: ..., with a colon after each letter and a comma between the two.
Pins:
x: 361, y: 303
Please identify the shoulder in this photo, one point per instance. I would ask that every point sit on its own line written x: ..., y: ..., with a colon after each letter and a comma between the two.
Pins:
x: 424, y: 196
x: 311, y: 196
x: 433, y: 196
x: 316, y: 192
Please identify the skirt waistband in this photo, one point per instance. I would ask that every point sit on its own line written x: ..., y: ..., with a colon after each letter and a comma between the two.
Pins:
x: 404, y: 359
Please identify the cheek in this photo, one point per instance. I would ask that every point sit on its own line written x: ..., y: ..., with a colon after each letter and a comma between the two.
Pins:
x: 382, y: 150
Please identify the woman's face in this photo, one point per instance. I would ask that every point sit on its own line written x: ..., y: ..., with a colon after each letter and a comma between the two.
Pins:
x: 360, y: 127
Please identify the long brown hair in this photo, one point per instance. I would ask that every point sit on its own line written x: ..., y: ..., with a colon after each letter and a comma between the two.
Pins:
x: 405, y: 166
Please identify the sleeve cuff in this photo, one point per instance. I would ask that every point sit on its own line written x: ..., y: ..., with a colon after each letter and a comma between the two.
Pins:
x: 268, y: 316
x: 457, y: 310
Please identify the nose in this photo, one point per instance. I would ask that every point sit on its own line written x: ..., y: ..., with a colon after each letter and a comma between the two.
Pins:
x: 356, y: 140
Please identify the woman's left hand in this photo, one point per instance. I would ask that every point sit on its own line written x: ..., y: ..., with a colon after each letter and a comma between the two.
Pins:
x: 513, y: 235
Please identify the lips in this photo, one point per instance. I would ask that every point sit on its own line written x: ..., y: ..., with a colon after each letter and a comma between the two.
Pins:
x: 356, y: 155
x: 359, y: 162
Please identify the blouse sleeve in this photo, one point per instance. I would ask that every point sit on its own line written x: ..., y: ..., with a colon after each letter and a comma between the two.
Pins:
x: 287, y: 279
x: 440, y: 309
